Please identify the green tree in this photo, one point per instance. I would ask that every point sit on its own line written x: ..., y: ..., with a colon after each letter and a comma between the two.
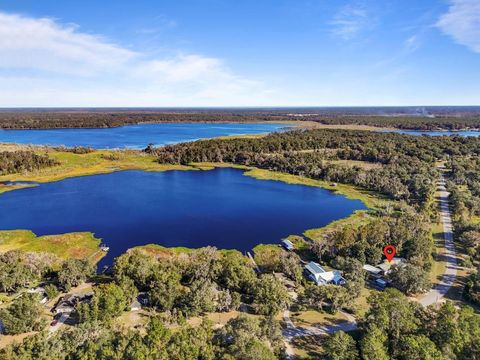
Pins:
x: 23, y: 315
x: 74, y: 272
x: 392, y: 314
x: 340, y: 346
x: 108, y: 302
x: 409, y: 278
x: 418, y: 347
x: 374, y: 345
x: 51, y: 291
x: 270, y: 295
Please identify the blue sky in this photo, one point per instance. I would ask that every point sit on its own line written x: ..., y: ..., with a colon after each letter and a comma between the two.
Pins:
x: 239, y: 53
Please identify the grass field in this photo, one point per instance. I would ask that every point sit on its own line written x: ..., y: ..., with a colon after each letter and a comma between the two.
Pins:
x: 72, y: 245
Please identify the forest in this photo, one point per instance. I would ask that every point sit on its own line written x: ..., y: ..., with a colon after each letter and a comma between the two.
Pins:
x: 180, y: 285
x: 444, y: 120
x: 407, y: 170
x: 20, y: 161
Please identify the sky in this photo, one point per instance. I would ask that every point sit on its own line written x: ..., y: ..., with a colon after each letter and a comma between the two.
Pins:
x: 189, y: 53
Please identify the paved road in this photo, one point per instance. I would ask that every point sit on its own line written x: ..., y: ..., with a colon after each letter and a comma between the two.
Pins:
x: 433, y: 296
x: 448, y: 278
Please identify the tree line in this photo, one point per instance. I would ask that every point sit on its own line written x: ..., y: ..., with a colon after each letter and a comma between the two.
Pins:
x: 443, y: 120
x: 407, y: 170
x: 22, y: 161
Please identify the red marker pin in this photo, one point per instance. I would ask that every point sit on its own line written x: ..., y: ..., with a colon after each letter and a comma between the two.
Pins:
x: 389, y: 252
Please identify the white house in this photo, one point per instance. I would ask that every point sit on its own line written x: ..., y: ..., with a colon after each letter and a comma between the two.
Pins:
x: 321, y: 277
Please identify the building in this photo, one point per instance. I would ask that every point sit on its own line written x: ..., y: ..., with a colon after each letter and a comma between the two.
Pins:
x: 67, y: 304
x: 135, y: 305
x: 386, y: 265
x: 288, y: 245
x: 321, y: 277
x: 372, y: 271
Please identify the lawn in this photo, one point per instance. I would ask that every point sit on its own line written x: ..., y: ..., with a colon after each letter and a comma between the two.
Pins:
x: 316, y: 318
x: 72, y: 245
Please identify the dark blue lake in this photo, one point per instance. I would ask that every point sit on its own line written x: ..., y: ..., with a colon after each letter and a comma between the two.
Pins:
x: 134, y: 136
x: 221, y: 207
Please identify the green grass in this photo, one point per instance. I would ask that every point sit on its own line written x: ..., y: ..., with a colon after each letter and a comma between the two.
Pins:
x: 356, y: 219
x: 159, y: 250
x: 73, y: 165
x: 72, y: 245
x: 439, y: 265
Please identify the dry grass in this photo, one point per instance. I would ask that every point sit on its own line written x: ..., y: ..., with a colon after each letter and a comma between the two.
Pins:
x: 6, y: 340
x: 65, y: 246
x: 315, y: 318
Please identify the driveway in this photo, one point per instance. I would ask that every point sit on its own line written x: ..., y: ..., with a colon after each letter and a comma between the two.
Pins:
x: 61, y: 321
x: 291, y: 331
x: 450, y: 274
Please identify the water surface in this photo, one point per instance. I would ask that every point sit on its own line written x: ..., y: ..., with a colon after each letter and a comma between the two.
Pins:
x: 220, y: 207
x: 134, y: 136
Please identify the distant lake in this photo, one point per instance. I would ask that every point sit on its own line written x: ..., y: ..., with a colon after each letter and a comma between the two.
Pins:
x: 437, y: 133
x: 221, y: 207
x: 134, y: 136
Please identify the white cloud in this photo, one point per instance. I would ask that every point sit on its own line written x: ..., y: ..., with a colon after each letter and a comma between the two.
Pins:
x: 462, y: 23
x: 45, y: 63
x: 350, y: 21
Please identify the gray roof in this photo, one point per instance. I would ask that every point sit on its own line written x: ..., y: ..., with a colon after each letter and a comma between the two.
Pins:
x: 314, y: 268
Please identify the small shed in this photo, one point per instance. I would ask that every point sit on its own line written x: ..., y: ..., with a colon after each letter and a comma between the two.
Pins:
x: 288, y: 245
x: 135, y: 305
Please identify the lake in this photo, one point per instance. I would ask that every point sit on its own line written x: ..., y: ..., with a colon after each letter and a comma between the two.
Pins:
x: 134, y: 136
x: 221, y: 207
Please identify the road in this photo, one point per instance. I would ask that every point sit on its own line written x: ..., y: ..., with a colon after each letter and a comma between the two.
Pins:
x: 433, y: 296
x: 448, y: 278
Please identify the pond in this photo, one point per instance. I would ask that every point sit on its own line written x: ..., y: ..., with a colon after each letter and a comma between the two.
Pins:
x: 220, y: 207
x: 134, y: 136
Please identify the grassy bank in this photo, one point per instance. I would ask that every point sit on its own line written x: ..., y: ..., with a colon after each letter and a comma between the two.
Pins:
x: 72, y: 245
x: 95, y: 162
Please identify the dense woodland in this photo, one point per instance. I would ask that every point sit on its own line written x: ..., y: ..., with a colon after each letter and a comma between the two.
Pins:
x: 396, y: 328
x: 464, y: 185
x: 21, y: 161
x: 181, y: 284
x: 444, y: 119
x: 407, y: 170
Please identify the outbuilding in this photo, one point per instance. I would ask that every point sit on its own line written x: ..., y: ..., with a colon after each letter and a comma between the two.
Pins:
x: 288, y: 245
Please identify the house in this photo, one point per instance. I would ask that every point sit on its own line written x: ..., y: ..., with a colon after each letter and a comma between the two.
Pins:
x: 386, y: 265
x: 321, y: 277
x: 67, y: 304
x: 288, y: 245
x: 135, y: 305
x: 372, y: 271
